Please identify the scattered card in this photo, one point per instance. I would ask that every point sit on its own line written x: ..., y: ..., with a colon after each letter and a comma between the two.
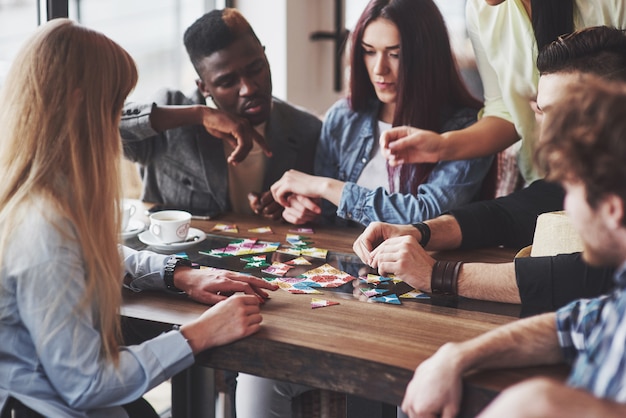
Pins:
x: 289, y: 250
x: 328, y: 276
x: 300, y: 261
x: 298, y: 240
x: 255, y: 261
x: 321, y: 303
x: 302, y: 230
x: 392, y: 299
x: 414, y: 294
x: 277, y: 269
x: 226, y: 228
x: 314, y: 252
x: 292, y: 286
x: 261, y: 230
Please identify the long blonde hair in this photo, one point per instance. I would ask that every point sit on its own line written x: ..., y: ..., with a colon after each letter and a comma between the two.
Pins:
x: 59, y: 117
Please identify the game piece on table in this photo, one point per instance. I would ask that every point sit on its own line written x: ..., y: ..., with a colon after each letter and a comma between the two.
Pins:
x: 261, y: 230
x: 328, y: 276
x: 414, y: 294
x: 292, y: 286
x: 314, y: 252
x: 277, y: 269
x: 302, y: 231
x: 321, y: 303
x: 298, y: 240
x: 392, y: 299
x: 300, y: 261
x: 255, y: 261
x: 226, y: 228
x: 289, y: 250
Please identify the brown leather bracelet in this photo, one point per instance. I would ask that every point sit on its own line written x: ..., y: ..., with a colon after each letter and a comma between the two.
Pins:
x: 444, y: 278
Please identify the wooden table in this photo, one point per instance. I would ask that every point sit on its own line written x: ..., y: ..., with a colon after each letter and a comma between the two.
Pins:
x: 364, y: 349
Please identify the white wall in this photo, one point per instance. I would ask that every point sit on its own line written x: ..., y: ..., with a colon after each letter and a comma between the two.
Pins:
x: 302, y: 70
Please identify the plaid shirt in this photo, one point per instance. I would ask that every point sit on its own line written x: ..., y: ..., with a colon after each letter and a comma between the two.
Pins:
x: 592, y: 334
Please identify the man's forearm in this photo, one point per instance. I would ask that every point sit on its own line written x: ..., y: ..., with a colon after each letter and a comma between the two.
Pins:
x: 163, y: 118
x: 527, y: 342
x: 489, y: 281
x: 445, y: 233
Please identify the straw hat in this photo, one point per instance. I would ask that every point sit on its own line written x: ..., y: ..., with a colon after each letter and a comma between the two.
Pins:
x: 554, y: 234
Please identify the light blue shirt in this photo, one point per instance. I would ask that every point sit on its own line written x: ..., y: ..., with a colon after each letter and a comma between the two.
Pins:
x: 345, y: 148
x: 50, y: 356
x: 592, y: 333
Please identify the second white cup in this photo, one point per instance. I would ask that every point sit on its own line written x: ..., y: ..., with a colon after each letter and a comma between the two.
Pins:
x: 128, y: 210
x: 170, y: 226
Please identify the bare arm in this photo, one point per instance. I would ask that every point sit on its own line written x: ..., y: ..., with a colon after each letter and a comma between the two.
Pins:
x: 411, y: 145
x: 542, y: 397
x: 234, y: 129
x: 436, y: 384
x: 487, y: 281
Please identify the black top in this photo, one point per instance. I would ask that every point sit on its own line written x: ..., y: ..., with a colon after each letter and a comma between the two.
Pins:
x: 545, y: 283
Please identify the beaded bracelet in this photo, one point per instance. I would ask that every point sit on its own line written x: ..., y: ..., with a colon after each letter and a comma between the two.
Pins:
x: 445, y: 277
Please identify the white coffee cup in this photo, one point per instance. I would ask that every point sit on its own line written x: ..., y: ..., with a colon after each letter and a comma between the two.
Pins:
x: 170, y: 226
x: 128, y: 210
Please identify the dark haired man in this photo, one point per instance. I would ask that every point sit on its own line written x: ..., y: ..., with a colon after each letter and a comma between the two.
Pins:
x: 582, y: 146
x: 217, y: 160
x: 540, y: 283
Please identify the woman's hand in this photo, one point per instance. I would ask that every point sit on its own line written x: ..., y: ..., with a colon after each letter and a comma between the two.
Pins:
x: 229, y: 320
x: 212, y: 285
x: 313, y: 187
x: 405, y: 144
x: 302, y: 210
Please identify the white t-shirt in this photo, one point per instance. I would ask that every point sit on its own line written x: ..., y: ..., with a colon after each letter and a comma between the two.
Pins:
x: 374, y: 173
x: 247, y: 176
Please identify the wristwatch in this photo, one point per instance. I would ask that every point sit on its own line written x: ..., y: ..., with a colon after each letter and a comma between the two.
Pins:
x: 168, y: 275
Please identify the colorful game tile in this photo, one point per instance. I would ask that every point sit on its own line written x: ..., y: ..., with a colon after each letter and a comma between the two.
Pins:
x: 298, y: 240
x: 414, y: 294
x: 277, y: 269
x: 371, y: 292
x: 261, y: 230
x: 328, y: 276
x: 255, y: 261
x: 314, y: 252
x: 321, y: 303
x: 182, y: 255
x: 300, y: 261
x: 289, y: 250
x: 375, y: 278
x: 392, y: 299
x: 242, y: 247
x: 226, y: 228
x: 264, y: 247
x: 302, y: 230
x: 296, y: 288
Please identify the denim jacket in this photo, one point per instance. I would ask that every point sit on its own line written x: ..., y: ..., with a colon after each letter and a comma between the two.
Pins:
x: 345, y: 147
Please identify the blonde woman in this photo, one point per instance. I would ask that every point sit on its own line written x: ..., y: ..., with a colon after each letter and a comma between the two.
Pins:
x: 60, y: 263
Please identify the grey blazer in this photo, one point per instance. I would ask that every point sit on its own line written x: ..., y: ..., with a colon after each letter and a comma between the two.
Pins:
x: 186, y: 167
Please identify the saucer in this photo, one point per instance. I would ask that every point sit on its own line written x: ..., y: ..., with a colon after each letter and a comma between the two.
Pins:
x: 147, y: 238
x: 134, y: 227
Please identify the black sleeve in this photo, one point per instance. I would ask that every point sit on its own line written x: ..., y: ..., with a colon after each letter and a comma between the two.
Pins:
x: 509, y: 220
x: 548, y: 283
